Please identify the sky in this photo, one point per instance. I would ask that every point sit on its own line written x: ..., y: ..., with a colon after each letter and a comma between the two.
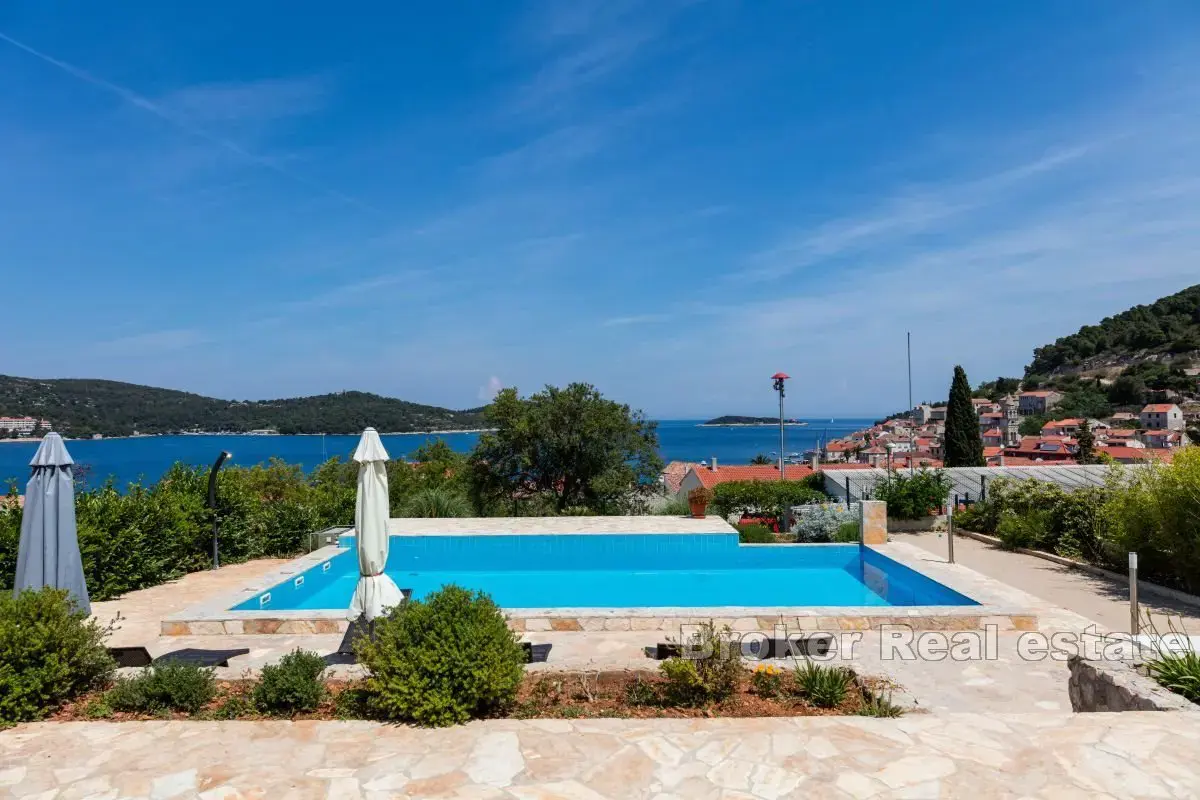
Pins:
x: 669, y: 200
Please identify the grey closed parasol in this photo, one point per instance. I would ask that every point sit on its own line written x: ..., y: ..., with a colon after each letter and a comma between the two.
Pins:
x: 49, y: 549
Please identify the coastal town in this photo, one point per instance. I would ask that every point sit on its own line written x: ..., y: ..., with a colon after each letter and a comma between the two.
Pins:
x: 916, y: 439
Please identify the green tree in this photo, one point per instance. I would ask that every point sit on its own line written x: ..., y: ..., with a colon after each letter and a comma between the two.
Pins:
x: 1127, y: 390
x: 1087, y: 444
x: 761, y: 458
x: 964, y: 445
x: 570, y: 447
x: 1032, y: 424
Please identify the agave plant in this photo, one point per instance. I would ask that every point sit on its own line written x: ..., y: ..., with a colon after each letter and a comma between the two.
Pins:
x: 825, y: 686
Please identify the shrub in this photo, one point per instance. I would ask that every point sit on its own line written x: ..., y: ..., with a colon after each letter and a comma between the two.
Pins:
x: 1154, y: 511
x: 847, y: 533
x: 443, y: 660
x: 1029, y: 529
x: 234, y: 706
x: 753, y: 533
x: 770, y: 498
x: 675, y: 507
x: 915, y: 496
x: 49, y: 653
x: 979, y: 517
x: 823, y: 685
x: 164, y: 686
x: 767, y: 681
x: 641, y: 693
x: 294, y: 684
x: 820, y: 523
x: 701, y: 494
x: 1179, y: 672
x: 876, y: 705
x: 709, y: 671
x: 436, y: 502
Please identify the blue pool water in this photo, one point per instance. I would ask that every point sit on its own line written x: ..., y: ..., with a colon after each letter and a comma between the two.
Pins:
x: 623, y: 571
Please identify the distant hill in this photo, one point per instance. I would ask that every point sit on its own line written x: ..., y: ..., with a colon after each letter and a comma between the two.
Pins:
x: 1158, y: 332
x: 84, y: 407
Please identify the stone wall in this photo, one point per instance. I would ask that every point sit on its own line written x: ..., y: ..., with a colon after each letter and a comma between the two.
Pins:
x: 1119, y: 686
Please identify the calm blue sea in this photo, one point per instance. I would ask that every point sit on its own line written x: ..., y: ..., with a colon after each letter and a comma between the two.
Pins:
x: 148, y: 457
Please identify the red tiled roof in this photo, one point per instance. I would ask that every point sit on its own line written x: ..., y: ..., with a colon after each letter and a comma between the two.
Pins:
x: 1036, y: 394
x: 1158, y: 408
x: 674, y: 473
x: 993, y: 432
x: 750, y: 472
x: 1139, y: 454
x: 839, y: 466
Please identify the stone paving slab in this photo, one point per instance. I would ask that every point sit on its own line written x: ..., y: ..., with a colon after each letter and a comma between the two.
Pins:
x: 1131, y: 755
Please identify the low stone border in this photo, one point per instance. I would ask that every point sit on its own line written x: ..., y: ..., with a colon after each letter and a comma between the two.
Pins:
x: 1119, y: 686
x: 1083, y: 566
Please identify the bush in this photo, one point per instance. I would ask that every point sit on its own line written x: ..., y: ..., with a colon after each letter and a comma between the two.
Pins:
x: 1069, y: 523
x: 673, y: 508
x: 439, y: 502
x: 700, y: 495
x: 709, y: 673
x: 823, y: 685
x: 767, y: 681
x: 1154, y: 511
x: 443, y: 660
x: 1029, y: 529
x: 164, y: 686
x: 770, y: 498
x: 754, y: 533
x: 847, y: 533
x: 49, y: 653
x: 294, y: 684
x: 879, y: 706
x: 1179, y: 672
x: 821, y: 523
x: 915, y: 496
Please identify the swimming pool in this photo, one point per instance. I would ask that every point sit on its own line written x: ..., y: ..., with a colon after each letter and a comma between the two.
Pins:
x: 621, y: 571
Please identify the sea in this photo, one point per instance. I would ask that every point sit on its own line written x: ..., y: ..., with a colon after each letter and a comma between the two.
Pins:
x: 146, y: 458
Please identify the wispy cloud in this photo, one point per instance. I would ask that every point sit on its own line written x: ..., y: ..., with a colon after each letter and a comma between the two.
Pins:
x: 184, y: 123
x: 635, y: 319
x: 488, y: 392
x: 151, y: 343
x: 243, y: 101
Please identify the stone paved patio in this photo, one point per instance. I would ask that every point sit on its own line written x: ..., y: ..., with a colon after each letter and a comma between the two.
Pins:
x: 1143, y: 754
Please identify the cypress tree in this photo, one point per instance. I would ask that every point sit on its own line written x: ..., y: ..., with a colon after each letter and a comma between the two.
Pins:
x: 1087, y: 444
x: 964, y: 445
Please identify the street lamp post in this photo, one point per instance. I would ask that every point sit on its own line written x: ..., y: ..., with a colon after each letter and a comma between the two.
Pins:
x: 212, y: 503
x: 779, y: 378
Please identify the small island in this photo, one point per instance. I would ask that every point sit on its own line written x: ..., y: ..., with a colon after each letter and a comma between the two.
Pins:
x: 731, y: 421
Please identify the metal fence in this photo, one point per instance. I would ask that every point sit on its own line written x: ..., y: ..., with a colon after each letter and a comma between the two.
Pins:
x: 969, y: 483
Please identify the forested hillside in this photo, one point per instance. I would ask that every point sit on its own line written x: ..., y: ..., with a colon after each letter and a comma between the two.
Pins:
x: 1168, y: 326
x: 112, y: 408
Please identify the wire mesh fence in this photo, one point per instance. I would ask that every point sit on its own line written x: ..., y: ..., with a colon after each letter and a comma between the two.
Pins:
x: 968, y: 483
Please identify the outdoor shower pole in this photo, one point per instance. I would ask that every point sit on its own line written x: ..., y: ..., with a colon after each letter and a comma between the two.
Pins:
x: 212, y: 503
x: 1134, y: 623
x: 950, y: 531
x: 912, y: 411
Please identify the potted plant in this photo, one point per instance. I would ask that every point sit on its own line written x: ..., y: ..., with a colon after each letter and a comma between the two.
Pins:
x: 698, y: 500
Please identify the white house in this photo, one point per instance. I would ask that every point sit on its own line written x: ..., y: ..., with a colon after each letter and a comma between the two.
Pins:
x: 1162, y: 417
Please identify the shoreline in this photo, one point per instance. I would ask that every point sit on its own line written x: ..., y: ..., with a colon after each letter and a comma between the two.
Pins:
x: 29, y: 440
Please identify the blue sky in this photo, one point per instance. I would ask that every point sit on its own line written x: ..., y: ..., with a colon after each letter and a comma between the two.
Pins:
x: 671, y: 200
